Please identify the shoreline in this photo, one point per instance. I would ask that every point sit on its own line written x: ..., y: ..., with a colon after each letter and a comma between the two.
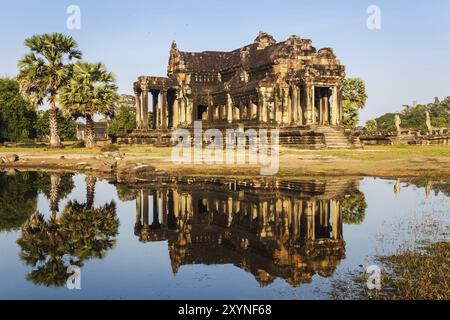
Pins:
x: 141, y: 161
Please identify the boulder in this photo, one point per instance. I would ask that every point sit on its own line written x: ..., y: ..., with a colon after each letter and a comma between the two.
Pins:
x: 115, y: 154
x: 10, y: 158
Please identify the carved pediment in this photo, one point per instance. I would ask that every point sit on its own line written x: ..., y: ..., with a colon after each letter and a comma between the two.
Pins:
x: 264, y: 40
x: 326, y: 53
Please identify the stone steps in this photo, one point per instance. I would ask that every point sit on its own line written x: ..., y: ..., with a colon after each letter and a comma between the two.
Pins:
x: 336, y: 138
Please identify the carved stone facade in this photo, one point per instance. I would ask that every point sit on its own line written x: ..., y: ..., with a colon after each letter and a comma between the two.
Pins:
x: 272, y: 230
x: 287, y: 85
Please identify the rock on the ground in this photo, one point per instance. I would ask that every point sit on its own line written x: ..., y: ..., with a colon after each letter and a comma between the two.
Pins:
x: 116, y: 155
x: 9, y: 158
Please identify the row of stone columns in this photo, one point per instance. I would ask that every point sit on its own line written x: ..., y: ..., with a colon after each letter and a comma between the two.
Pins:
x: 285, y: 106
x: 172, y: 206
x: 288, y: 107
x: 160, y: 118
x: 320, y: 110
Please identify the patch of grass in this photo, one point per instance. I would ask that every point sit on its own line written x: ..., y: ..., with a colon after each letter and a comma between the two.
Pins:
x: 411, y: 275
x: 419, y: 275
x: 414, y: 258
x: 109, y: 148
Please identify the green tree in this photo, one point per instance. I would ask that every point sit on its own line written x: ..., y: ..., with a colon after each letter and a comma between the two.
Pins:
x: 91, y: 231
x: 386, y: 121
x: 414, y: 117
x: 92, y: 90
x: 354, y: 98
x: 80, y: 233
x: 371, y: 126
x: 45, y: 70
x: 55, y: 187
x: 125, y: 193
x: 18, y: 199
x: 122, y: 123
x: 17, y: 116
x: 45, y: 248
x: 66, y: 126
x: 354, y: 209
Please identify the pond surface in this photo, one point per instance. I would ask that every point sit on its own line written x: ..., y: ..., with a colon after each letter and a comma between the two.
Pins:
x: 186, y: 240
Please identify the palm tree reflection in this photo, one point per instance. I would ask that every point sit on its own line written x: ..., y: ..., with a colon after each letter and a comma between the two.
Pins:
x: 80, y: 233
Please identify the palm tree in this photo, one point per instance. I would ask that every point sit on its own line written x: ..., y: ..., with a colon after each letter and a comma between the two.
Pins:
x: 55, y: 187
x: 90, y: 190
x: 91, y: 231
x: 50, y: 246
x: 44, y: 248
x: 54, y: 193
x: 45, y: 70
x: 92, y: 90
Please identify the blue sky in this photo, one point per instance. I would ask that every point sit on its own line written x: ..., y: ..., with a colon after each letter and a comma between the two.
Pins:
x: 407, y: 60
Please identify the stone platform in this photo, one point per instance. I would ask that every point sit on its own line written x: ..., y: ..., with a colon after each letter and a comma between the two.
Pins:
x: 306, y: 137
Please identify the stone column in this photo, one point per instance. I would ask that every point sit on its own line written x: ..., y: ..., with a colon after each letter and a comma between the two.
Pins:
x: 158, y: 112
x: 189, y: 112
x: 182, y: 110
x: 294, y: 105
x: 254, y: 111
x: 277, y: 104
x: 339, y: 103
x: 145, y: 207
x: 309, y: 220
x: 286, y: 111
x: 321, y: 106
x: 229, y: 109
x: 164, y: 109
x: 138, y: 110
x: 145, y: 107
x: 175, y: 113
x: 262, y: 106
x: 264, y: 109
x: 176, y: 203
x: 334, y: 106
x: 299, y: 106
x: 336, y: 219
x: 155, y: 110
x: 327, y: 106
x: 164, y: 207
x: 309, y: 104
x: 210, y: 109
x: 138, y: 207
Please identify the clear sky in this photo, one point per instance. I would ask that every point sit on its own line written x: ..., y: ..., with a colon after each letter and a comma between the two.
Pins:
x: 407, y: 60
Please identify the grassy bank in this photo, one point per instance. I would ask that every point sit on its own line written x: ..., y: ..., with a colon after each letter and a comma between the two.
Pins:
x: 381, y: 161
x: 421, y: 274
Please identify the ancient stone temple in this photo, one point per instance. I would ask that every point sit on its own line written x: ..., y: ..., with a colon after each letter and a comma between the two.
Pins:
x: 292, y: 231
x: 287, y: 85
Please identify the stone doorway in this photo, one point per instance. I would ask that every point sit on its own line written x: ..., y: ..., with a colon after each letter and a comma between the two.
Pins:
x: 201, y: 113
x: 322, y: 105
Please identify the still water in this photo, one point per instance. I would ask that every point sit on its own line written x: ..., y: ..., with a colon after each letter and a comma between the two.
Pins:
x: 182, y: 239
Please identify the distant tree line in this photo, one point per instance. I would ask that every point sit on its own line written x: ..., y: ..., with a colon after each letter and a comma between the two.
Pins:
x: 414, y: 117
x: 20, y: 122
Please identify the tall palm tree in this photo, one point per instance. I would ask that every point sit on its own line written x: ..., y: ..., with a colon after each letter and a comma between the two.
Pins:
x: 90, y: 190
x: 92, y: 90
x: 55, y: 180
x: 55, y: 186
x: 45, y: 70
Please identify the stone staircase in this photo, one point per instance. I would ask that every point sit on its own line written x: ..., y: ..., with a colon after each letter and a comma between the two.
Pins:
x: 337, y: 138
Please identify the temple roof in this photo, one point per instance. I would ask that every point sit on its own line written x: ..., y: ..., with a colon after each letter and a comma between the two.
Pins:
x: 264, y: 51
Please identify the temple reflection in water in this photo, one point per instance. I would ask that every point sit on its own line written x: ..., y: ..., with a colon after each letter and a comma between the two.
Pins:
x: 288, y: 230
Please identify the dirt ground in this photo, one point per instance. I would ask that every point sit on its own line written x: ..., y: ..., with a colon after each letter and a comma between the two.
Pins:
x: 385, y: 161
